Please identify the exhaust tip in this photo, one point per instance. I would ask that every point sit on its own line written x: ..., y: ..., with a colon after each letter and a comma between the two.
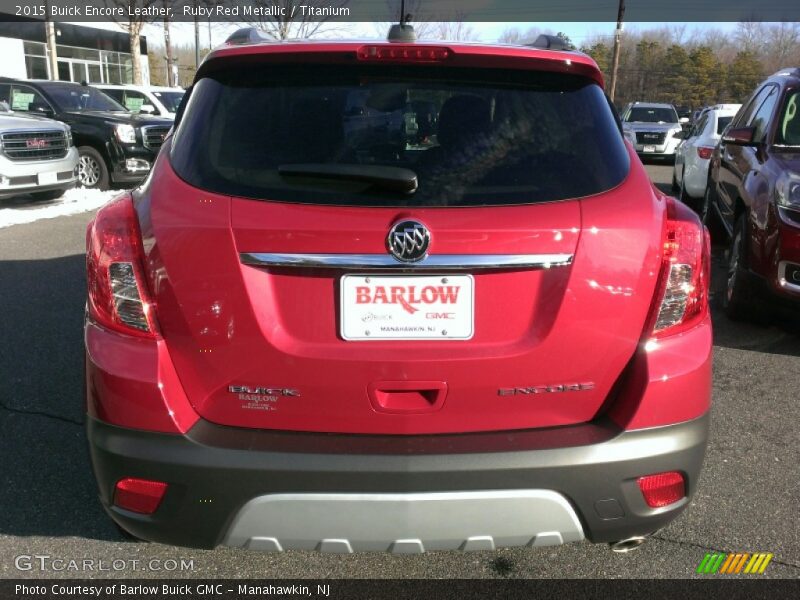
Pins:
x: 627, y: 545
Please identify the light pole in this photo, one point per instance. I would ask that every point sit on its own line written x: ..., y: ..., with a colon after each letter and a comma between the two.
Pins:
x: 612, y: 87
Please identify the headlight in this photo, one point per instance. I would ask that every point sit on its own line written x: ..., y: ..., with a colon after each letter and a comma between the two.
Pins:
x: 69, y: 138
x: 125, y: 133
x: 787, y: 191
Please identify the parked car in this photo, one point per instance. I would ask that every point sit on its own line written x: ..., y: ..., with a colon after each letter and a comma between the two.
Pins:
x: 651, y: 128
x: 148, y: 100
x: 113, y: 145
x: 753, y: 191
x: 293, y: 342
x: 36, y: 156
x: 690, y: 173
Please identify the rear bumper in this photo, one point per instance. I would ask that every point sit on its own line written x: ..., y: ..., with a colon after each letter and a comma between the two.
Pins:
x: 273, y: 490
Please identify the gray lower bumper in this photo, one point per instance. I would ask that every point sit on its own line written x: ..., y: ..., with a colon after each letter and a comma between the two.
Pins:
x: 303, y: 490
x: 405, y: 523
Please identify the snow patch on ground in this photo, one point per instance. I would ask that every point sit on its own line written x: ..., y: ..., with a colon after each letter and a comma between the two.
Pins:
x: 23, y: 209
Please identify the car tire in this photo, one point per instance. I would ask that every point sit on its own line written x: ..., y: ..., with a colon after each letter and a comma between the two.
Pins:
x: 675, y: 186
x: 739, y: 299
x: 48, y: 195
x: 92, y: 169
x: 709, y: 217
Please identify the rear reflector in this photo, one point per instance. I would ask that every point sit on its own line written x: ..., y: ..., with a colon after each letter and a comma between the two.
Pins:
x: 662, y: 489
x: 139, y: 495
x: 704, y: 152
x: 404, y: 53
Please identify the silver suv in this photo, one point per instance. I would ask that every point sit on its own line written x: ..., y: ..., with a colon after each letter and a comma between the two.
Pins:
x: 651, y: 128
x: 36, y: 156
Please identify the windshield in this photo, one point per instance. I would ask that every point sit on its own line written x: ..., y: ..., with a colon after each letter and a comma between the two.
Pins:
x: 641, y: 114
x: 80, y: 98
x: 170, y: 100
x: 471, y: 137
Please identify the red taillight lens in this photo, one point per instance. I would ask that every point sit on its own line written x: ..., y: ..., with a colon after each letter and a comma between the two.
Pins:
x: 139, y: 495
x: 118, y: 297
x: 662, y: 489
x: 704, y: 152
x: 685, y: 273
x: 405, y: 53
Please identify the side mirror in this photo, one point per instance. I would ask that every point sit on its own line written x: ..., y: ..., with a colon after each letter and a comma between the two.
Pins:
x: 683, y: 120
x: 44, y: 111
x: 147, y: 109
x: 740, y: 136
x: 681, y: 135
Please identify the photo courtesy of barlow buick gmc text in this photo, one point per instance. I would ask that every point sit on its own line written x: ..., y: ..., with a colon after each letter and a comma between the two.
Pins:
x: 365, y: 299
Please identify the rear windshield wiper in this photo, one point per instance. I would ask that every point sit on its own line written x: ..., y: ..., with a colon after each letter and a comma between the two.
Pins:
x: 393, y: 179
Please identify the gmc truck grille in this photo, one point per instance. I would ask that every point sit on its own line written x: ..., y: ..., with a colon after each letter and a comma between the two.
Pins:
x: 34, y: 145
x: 650, y: 137
x: 154, y: 135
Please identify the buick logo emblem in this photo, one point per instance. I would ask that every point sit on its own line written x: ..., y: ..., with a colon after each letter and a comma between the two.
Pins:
x: 408, y: 241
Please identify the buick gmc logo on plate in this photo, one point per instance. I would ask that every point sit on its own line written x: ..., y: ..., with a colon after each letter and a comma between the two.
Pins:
x: 408, y: 241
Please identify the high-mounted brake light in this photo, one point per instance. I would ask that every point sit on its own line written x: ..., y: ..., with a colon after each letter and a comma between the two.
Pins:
x: 139, y: 495
x: 118, y: 297
x: 704, y: 152
x: 404, y: 53
x: 662, y: 489
x: 682, y: 292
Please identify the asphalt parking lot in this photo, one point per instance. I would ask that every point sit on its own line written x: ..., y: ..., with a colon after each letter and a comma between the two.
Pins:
x: 748, y: 498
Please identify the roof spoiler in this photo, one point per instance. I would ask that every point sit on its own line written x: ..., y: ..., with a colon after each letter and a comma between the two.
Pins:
x: 550, y: 42
x: 247, y: 35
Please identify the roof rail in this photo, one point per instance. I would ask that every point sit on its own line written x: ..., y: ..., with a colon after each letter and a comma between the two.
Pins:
x: 550, y: 42
x: 247, y: 35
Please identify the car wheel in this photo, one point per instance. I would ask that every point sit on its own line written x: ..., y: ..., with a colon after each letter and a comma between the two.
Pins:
x: 49, y: 195
x: 92, y: 170
x: 738, y: 300
x: 709, y: 216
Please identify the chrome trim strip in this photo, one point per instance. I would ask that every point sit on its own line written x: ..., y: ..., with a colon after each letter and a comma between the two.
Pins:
x: 385, y: 261
x: 786, y: 285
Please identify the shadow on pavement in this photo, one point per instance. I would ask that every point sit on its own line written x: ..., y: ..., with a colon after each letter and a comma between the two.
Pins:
x: 47, y: 484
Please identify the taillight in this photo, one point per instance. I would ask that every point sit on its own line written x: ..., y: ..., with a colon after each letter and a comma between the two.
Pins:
x: 704, y: 152
x: 118, y: 297
x: 405, y: 53
x: 662, y: 489
x: 682, y: 292
x: 139, y: 495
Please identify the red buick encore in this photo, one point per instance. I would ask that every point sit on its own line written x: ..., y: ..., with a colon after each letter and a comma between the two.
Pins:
x: 398, y: 297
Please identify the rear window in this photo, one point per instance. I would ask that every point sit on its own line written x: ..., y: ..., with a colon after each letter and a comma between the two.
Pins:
x: 722, y: 123
x: 471, y: 137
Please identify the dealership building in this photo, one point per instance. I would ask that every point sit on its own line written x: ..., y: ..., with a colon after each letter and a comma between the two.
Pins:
x: 83, y: 53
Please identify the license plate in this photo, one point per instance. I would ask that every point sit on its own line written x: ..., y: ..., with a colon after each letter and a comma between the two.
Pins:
x: 436, y: 307
x: 48, y: 178
x: 649, y: 149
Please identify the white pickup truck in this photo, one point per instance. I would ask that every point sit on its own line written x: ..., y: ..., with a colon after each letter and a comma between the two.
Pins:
x: 36, y: 156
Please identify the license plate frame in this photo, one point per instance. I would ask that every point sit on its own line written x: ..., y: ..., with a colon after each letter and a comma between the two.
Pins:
x: 649, y: 149
x: 47, y: 178
x: 386, y: 317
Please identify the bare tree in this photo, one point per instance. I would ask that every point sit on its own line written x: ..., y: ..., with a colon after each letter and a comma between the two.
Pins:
x: 783, y: 44
x: 292, y: 19
x: 134, y: 25
x: 455, y: 31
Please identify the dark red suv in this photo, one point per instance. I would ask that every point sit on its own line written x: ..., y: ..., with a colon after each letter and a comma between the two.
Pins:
x: 397, y: 297
x: 754, y: 192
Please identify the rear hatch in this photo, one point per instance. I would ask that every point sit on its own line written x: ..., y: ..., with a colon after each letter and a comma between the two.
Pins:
x: 400, y: 249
